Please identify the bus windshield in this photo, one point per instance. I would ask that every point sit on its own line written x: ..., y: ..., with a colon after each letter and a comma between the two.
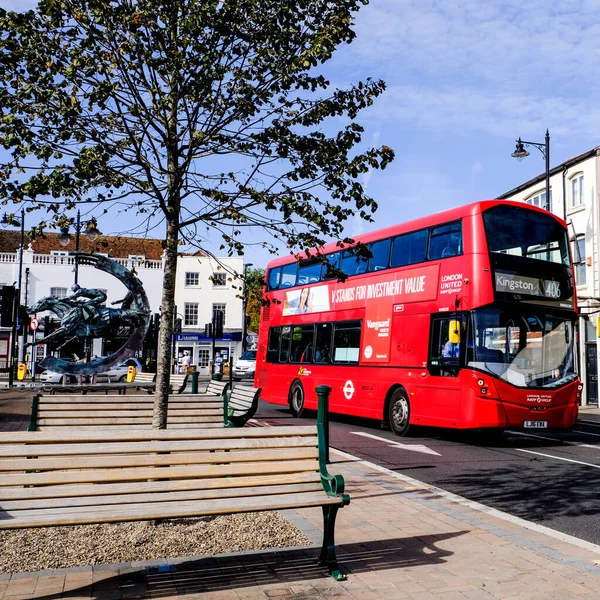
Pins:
x: 533, y: 349
x: 527, y: 233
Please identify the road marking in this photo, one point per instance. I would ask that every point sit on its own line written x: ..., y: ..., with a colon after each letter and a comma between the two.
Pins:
x: 543, y: 437
x: 587, y: 433
x: 594, y: 423
x: 579, y: 462
x: 412, y: 447
x: 557, y: 535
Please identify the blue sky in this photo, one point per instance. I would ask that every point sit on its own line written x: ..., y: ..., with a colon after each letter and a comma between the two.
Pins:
x: 465, y: 79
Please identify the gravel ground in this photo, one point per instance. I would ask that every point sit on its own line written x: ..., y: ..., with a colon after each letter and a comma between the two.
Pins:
x: 59, y: 547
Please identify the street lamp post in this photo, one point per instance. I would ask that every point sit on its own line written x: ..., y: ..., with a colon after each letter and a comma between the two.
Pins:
x: 245, y: 303
x: 520, y: 153
x: 17, y: 298
x: 91, y: 233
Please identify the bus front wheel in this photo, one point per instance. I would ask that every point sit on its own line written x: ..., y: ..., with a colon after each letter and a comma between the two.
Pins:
x: 296, y: 399
x: 399, y: 412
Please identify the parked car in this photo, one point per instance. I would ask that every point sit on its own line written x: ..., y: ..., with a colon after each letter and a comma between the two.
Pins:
x: 57, y: 378
x: 116, y: 374
x: 245, y: 366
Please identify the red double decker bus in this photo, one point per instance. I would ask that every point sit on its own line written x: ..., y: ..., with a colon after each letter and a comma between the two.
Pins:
x: 464, y: 319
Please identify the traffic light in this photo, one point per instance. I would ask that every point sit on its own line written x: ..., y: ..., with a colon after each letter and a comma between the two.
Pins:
x: 218, y: 321
x: 177, y: 327
x: 7, y: 303
x: 208, y: 330
x: 23, y: 319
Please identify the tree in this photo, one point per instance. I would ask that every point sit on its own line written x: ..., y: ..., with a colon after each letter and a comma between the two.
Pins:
x: 191, y: 113
x: 253, y: 297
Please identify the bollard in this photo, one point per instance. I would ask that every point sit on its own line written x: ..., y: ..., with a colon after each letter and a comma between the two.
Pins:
x: 217, y: 376
x: 195, y: 382
x: 323, y: 392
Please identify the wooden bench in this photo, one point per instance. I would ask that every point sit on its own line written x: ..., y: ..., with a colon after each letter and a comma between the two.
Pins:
x: 72, y: 477
x: 123, y: 412
x: 147, y: 381
x: 241, y: 404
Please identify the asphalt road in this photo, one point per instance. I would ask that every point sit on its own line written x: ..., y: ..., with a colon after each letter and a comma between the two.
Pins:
x: 550, y: 478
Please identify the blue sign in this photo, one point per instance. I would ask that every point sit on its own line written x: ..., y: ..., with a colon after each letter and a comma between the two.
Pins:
x: 236, y: 336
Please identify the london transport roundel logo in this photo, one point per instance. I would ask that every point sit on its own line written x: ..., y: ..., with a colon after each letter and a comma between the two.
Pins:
x: 348, y: 389
x: 368, y: 352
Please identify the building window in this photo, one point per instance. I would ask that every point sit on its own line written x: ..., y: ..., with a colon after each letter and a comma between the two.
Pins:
x: 577, y: 191
x: 190, y: 314
x: 222, y: 308
x: 192, y: 279
x: 219, y: 279
x: 137, y: 259
x: 539, y: 200
x: 579, y: 262
x: 58, y: 292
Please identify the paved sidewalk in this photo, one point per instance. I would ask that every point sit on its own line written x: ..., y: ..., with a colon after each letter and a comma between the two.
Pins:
x: 397, y: 539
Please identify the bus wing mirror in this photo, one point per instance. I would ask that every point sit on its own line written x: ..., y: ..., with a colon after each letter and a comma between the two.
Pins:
x: 454, y: 332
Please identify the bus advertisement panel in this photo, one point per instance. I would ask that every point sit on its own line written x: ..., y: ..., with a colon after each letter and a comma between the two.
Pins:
x: 464, y: 319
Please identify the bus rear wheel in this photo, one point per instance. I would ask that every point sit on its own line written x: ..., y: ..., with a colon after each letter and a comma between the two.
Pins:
x: 296, y: 399
x: 399, y: 413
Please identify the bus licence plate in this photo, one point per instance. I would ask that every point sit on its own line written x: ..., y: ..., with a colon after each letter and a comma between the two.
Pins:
x: 536, y: 424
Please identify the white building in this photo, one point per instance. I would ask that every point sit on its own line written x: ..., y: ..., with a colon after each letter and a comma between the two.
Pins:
x: 574, y: 196
x: 201, y: 287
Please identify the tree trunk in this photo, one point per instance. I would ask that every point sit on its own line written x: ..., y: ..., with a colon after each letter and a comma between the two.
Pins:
x: 163, y: 365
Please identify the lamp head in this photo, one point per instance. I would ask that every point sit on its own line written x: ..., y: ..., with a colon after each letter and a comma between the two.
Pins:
x: 520, y: 153
x: 64, y: 237
x: 92, y: 232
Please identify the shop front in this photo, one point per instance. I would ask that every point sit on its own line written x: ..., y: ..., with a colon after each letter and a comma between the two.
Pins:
x: 200, y: 349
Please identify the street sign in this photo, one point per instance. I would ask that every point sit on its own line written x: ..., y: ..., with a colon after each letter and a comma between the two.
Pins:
x: 34, y: 324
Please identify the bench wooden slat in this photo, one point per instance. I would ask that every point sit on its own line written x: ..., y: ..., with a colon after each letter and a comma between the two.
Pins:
x: 89, y: 466
x: 230, y: 481
x: 27, y: 450
x: 144, y: 398
x: 70, y: 435
x: 165, y: 510
x: 91, y: 503
x: 131, y: 406
x: 75, y: 414
x: 113, y: 421
x: 137, y: 474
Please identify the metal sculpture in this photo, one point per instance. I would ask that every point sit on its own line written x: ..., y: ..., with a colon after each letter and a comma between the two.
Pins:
x: 82, y: 315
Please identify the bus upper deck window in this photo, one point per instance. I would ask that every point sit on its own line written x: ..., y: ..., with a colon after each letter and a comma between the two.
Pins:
x: 409, y: 249
x: 445, y: 241
x: 333, y: 262
x: 381, y: 255
x: 274, y: 278
x: 288, y: 275
x: 309, y: 272
x: 353, y: 264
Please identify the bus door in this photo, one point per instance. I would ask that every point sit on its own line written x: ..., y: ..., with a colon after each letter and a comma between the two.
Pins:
x: 440, y: 391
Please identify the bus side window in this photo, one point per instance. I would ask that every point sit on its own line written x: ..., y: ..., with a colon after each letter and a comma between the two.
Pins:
x: 381, y: 255
x: 445, y: 241
x: 447, y: 337
x: 302, y: 342
x: 273, y: 347
x: 410, y: 248
x: 333, y: 262
x: 353, y: 264
x: 288, y: 275
x: 346, y: 342
x: 323, y: 343
x: 274, y: 278
x: 284, y: 351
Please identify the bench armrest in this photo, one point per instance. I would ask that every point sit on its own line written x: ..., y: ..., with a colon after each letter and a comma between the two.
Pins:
x: 332, y: 484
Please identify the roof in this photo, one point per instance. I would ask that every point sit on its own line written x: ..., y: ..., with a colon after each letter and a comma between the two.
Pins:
x: 559, y: 169
x: 114, y: 246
